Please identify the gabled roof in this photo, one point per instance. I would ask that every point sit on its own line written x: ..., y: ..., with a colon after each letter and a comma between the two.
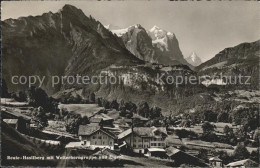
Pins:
x: 178, y: 154
x: 142, y: 132
x: 95, y: 120
x: 148, y: 131
x: 91, y: 129
x: 106, y: 117
x: 171, y: 151
x: 11, y: 121
x: 156, y: 150
x: 124, y: 134
x: 87, y: 129
x: 17, y: 114
x: 106, y: 151
x: 215, y: 159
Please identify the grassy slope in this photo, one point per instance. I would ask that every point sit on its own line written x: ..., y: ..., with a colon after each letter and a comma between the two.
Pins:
x: 82, y: 109
x: 15, y: 144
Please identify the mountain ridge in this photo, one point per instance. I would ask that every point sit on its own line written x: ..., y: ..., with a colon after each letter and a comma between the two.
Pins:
x: 62, y: 43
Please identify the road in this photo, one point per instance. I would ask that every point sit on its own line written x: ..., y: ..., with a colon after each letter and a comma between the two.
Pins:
x: 63, y: 162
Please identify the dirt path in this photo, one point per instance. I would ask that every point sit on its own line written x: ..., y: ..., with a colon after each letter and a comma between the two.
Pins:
x: 63, y: 163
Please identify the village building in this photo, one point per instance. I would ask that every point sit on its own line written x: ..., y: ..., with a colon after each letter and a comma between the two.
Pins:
x: 96, y: 121
x: 106, y: 153
x: 103, y: 119
x: 215, y: 162
x: 179, y: 157
x: 98, y: 157
x: 23, y: 121
x: 12, y: 122
x: 155, y: 152
x: 141, y: 138
x: 96, y: 137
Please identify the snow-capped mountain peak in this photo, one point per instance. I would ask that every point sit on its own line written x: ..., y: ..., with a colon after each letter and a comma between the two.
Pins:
x: 154, y: 28
x: 152, y: 45
x: 193, y: 59
x: 158, y: 33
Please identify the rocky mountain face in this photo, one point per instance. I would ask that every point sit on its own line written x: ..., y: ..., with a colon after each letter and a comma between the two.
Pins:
x: 166, y: 47
x: 193, y: 59
x: 139, y: 43
x: 155, y: 45
x: 63, y: 43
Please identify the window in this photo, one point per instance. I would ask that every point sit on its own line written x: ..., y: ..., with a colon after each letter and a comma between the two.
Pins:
x: 139, y: 146
x: 103, y: 143
x: 99, y: 137
x: 110, y: 143
x: 134, y: 145
x: 95, y: 142
x: 94, y: 137
x: 85, y: 142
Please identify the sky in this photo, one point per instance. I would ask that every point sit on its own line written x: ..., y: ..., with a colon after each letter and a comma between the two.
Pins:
x: 205, y: 28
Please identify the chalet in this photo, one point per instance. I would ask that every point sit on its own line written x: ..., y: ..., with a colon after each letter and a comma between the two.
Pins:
x: 155, y: 152
x: 96, y: 121
x: 103, y: 119
x: 179, y: 157
x: 23, y: 123
x: 96, y: 137
x: 243, y: 163
x: 141, y: 138
x: 215, y: 162
x: 12, y: 122
x: 106, y: 153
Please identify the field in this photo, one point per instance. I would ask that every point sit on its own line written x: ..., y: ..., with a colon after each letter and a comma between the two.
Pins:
x: 15, y: 144
x: 57, y: 128
x: 82, y: 109
x: 12, y: 102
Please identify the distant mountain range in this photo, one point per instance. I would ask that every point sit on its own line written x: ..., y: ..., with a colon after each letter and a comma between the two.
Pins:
x: 155, y: 45
x: 70, y: 43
